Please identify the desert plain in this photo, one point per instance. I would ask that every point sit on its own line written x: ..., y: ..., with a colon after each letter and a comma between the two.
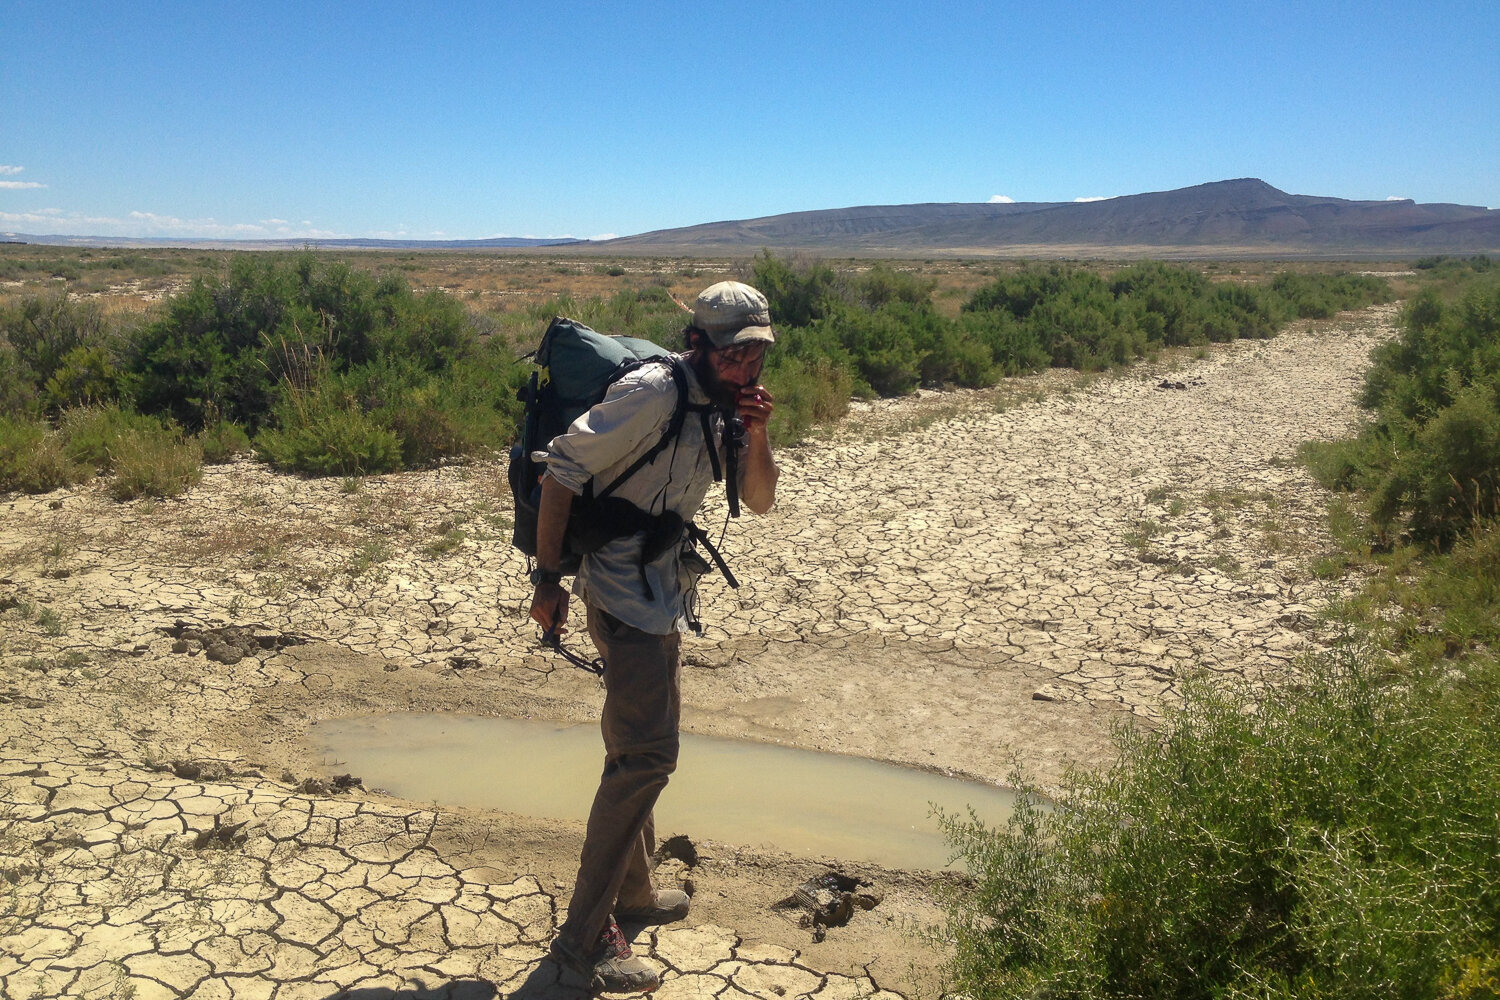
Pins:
x: 969, y: 582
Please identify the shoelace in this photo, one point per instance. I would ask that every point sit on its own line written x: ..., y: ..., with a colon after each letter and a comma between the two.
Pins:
x: 614, y: 938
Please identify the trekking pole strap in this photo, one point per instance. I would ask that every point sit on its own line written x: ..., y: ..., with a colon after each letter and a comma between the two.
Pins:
x: 698, y: 535
x: 553, y: 641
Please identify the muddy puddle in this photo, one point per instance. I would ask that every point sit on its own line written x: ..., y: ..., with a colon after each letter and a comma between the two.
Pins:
x: 800, y: 801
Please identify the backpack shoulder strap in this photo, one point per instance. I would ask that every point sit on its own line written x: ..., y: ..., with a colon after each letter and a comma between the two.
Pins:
x: 674, y: 425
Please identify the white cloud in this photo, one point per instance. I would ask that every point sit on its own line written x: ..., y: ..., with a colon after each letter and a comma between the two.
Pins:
x: 1095, y: 197
x: 6, y: 169
x: 1397, y: 197
x: 57, y: 222
x: 273, y: 222
x: 53, y: 222
x: 603, y: 236
x: 1001, y: 199
x: 20, y: 185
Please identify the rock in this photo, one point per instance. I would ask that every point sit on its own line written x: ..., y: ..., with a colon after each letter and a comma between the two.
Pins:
x: 828, y: 900
x: 223, y: 653
x: 679, y: 847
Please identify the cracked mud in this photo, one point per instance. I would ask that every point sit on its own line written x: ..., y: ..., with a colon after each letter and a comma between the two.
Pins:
x: 953, y: 581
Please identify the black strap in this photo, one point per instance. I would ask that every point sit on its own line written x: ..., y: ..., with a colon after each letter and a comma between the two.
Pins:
x: 700, y: 536
x: 553, y: 641
x: 674, y: 426
x: 732, y: 462
x: 713, y: 451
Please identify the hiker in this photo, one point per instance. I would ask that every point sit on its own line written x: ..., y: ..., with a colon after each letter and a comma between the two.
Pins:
x: 637, y: 601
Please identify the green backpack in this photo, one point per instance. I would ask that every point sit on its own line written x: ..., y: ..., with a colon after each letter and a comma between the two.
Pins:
x: 575, y: 368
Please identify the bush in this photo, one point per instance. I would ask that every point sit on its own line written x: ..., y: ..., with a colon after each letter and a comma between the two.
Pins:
x: 882, y: 346
x: 1430, y: 456
x: 1448, y: 475
x: 85, y: 377
x: 222, y: 441
x: 43, y: 330
x: 154, y: 463
x: 91, y: 434
x: 882, y: 285
x: 799, y: 293
x: 32, y: 459
x: 1081, y: 321
x: 1338, y: 841
x: 225, y: 344
x: 808, y: 392
x: 1013, y: 347
x: 18, y: 391
x: 323, y: 431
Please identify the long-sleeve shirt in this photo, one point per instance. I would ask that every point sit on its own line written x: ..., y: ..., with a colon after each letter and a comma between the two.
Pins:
x: 601, y: 444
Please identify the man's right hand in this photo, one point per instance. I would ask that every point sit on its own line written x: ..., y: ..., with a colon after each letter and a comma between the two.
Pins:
x: 549, y: 607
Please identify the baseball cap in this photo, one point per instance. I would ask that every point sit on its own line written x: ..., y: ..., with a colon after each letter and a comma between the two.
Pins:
x: 731, y: 312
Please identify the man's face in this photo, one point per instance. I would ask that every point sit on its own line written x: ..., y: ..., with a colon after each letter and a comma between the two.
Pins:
x: 731, y: 369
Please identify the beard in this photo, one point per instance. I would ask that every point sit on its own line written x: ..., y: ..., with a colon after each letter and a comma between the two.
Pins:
x: 724, y: 395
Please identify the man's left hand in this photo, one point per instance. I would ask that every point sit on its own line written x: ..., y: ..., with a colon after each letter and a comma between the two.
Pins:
x: 755, y: 404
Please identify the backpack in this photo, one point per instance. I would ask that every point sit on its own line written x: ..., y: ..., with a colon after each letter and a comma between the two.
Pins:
x: 575, y: 368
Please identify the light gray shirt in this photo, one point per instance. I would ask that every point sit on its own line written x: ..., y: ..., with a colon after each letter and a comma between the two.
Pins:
x: 603, y: 443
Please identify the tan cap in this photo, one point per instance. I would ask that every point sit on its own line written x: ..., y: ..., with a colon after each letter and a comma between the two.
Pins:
x: 731, y: 312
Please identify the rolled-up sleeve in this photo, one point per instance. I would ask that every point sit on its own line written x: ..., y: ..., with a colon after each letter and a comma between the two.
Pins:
x: 607, y: 438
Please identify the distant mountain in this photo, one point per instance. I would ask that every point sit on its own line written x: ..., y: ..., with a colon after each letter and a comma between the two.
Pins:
x: 1247, y: 215
x: 288, y: 244
x: 1224, y: 218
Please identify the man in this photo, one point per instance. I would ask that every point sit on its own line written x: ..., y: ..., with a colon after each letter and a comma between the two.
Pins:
x: 637, y: 603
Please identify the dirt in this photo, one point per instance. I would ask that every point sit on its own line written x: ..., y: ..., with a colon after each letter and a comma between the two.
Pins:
x: 970, y: 582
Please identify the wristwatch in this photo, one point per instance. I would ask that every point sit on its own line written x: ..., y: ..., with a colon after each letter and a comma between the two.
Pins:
x: 540, y: 576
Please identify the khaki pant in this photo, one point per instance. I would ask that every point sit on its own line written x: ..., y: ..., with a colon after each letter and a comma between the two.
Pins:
x: 642, y: 707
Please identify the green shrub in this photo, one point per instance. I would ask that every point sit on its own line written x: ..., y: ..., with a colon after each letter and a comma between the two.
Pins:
x: 799, y: 293
x: 84, y: 377
x: 1448, y: 475
x: 882, y: 285
x: 1430, y: 456
x: 1019, y: 293
x: 18, y: 390
x: 154, y: 462
x: 808, y: 392
x: 226, y: 344
x: 1343, y: 465
x: 221, y: 441
x: 1409, y: 376
x: 32, y: 458
x: 44, y: 329
x: 91, y: 434
x: 1013, y: 347
x: 1321, y: 295
x: 882, y: 346
x: 324, y: 431
x: 1081, y: 321
x: 1338, y: 840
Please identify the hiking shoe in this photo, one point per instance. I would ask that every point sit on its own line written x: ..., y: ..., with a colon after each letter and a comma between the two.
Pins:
x: 668, y: 905
x: 610, y: 967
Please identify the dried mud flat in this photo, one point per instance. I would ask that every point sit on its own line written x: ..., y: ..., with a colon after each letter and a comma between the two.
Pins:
x: 952, y: 581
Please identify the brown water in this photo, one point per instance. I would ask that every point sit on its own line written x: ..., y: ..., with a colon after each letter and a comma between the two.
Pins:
x: 800, y: 801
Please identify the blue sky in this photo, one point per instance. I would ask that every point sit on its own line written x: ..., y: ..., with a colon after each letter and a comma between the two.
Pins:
x: 470, y: 120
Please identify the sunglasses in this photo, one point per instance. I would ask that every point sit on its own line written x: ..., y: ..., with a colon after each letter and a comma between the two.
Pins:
x: 743, y: 355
